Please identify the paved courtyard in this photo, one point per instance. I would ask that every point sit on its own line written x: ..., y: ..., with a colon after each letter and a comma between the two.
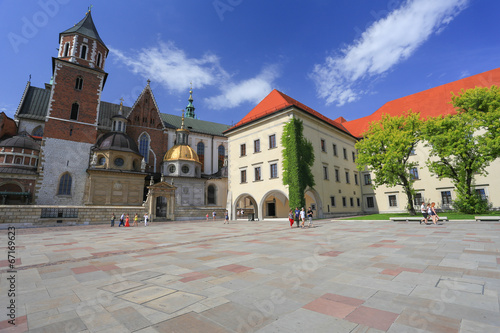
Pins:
x: 340, y: 276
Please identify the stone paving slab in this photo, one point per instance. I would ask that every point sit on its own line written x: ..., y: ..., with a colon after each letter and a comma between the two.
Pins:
x: 341, y: 276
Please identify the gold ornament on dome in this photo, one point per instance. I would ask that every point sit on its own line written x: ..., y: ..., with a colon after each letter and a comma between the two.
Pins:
x: 181, y: 152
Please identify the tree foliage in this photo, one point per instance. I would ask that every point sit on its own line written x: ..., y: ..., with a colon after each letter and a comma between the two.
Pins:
x: 464, y: 144
x: 386, y: 149
x: 298, y: 158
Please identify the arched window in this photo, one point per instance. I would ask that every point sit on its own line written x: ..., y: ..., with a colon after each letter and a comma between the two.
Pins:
x: 211, y: 195
x: 83, y: 53
x: 144, y: 146
x: 99, y: 59
x: 200, y: 150
x: 74, y: 111
x: 64, y: 184
x: 79, y: 83
x: 66, y: 49
x: 38, y: 131
x: 221, y: 155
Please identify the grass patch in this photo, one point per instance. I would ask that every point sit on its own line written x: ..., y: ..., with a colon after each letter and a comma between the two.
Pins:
x: 450, y: 215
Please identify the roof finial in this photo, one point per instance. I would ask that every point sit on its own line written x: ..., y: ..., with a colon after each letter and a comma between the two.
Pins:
x: 89, y: 9
x: 120, y: 112
x: 182, y: 125
x: 149, y: 81
x: 190, y: 108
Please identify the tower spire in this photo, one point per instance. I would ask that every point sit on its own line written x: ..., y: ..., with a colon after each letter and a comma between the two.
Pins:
x: 190, y: 108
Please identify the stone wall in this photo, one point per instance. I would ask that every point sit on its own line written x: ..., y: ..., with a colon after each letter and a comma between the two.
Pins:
x: 30, y: 215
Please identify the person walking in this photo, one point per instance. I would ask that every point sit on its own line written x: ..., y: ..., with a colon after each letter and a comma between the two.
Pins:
x: 290, y: 218
x: 136, y: 220
x: 297, y: 216
x: 113, y: 220
x: 146, y: 219
x: 213, y: 215
x: 122, y: 220
x: 310, y: 217
x: 434, y: 215
x: 207, y: 216
x: 303, y: 217
x: 423, y: 210
x: 127, y: 220
x: 226, y: 217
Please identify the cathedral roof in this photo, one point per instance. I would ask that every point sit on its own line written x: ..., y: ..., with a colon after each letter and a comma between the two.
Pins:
x: 277, y: 101
x: 116, y: 141
x: 20, y: 141
x: 85, y: 27
x: 194, y: 125
x: 181, y: 152
x: 429, y: 103
x: 35, y: 103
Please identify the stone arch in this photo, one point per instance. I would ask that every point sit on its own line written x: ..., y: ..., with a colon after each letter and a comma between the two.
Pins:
x: 211, y: 194
x: 246, y: 202
x: 274, y: 204
x: 313, y: 198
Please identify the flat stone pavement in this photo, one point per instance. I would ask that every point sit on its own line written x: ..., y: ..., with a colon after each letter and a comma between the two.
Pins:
x: 340, y: 276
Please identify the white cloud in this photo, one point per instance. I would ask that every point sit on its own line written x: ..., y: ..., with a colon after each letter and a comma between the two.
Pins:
x: 384, y: 44
x: 250, y: 90
x: 174, y: 70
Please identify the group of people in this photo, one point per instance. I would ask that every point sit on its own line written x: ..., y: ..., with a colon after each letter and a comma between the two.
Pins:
x: 300, y: 216
x: 125, y: 220
x: 429, y: 211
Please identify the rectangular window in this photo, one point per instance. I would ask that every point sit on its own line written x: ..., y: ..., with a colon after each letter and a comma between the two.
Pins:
x: 274, y: 170
x: 344, y: 202
x: 323, y: 146
x: 332, y: 201
x: 243, y: 150
x: 414, y: 173
x: 351, y: 201
x: 446, y: 197
x: 258, y: 175
x: 392, y: 201
x: 356, y: 178
x: 358, y: 202
x: 256, y: 146
x: 325, y: 172
x: 370, y: 203
x: 272, y: 141
x: 368, y: 179
x: 337, y: 177
x: 243, y: 176
x: 345, y: 154
x: 481, y: 193
x: 347, y: 180
x: 418, y: 199
x: 353, y: 156
x: 334, y: 149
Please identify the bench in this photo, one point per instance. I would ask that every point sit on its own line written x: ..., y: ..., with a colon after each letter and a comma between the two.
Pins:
x: 487, y: 218
x: 416, y: 218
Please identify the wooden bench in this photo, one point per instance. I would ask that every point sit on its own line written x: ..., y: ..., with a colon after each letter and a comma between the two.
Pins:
x: 488, y: 218
x: 416, y: 218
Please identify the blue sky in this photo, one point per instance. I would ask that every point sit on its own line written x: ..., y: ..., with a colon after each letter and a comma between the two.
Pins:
x: 342, y: 58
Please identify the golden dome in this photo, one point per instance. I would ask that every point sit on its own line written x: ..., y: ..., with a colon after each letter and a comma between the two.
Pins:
x: 181, y: 152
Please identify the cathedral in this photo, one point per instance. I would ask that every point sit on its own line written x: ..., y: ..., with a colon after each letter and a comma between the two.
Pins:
x: 67, y: 147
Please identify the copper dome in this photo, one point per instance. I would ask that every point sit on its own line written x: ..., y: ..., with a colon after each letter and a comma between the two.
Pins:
x: 116, y: 141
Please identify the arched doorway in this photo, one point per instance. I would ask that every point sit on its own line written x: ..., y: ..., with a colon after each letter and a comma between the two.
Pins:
x: 313, y: 200
x: 274, y: 204
x: 246, y: 205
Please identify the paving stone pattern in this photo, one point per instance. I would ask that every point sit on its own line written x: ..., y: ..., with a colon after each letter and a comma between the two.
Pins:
x: 340, y: 276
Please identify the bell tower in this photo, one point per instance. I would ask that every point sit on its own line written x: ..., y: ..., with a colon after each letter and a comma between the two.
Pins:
x: 72, y: 115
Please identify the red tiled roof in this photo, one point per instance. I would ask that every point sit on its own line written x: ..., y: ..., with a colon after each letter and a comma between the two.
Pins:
x: 430, y: 103
x: 277, y: 101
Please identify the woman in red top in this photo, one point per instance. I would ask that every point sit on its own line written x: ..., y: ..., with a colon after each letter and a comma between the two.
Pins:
x: 127, y: 220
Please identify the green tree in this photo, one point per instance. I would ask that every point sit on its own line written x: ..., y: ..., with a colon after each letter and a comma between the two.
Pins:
x: 464, y: 144
x: 298, y: 158
x: 386, y: 149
